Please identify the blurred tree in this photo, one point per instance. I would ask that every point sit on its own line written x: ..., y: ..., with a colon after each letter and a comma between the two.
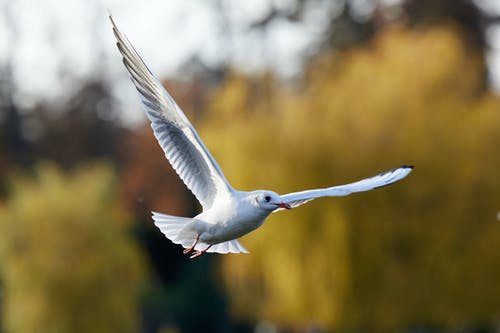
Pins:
x: 83, y: 128
x: 66, y: 261
x: 14, y: 148
x: 466, y: 14
x: 421, y: 252
x: 351, y: 23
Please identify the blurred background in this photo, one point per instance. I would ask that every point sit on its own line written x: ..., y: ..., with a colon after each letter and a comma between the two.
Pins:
x: 287, y: 95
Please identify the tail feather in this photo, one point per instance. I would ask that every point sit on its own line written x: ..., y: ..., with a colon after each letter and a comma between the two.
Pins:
x: 174, y: 228
x: 177, y: 229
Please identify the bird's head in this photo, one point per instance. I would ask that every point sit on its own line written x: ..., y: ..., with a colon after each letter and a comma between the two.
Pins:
x: 269, y: 200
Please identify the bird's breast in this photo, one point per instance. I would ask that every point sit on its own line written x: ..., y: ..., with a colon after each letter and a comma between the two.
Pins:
x: 228, y: 224
x: 236, y: 228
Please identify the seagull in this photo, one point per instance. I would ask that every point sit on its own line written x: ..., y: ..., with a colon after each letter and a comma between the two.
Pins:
x: 227, y: 214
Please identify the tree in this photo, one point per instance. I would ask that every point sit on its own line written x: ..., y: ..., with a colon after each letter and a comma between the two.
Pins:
x: 67, y: 263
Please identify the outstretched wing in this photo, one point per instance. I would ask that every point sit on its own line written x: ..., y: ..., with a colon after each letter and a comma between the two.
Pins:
x: 386, y: 178
x: 175, y: 134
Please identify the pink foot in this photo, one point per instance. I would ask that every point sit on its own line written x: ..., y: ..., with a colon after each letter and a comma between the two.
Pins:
x: 199, y: 253
x: 196, y: 254
x: 191, y: 248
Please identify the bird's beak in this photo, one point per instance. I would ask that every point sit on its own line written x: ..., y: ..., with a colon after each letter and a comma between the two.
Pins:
x: 284, y: 205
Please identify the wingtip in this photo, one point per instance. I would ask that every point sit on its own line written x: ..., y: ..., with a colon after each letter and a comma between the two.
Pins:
x: 406, y: 166
x: 112, y: 20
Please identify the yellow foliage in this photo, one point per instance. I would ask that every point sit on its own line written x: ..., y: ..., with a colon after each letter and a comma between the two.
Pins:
x: 421, y: 251
x: 66, y: 262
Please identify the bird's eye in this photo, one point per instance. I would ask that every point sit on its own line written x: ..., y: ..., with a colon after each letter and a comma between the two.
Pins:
x: 267, y: 198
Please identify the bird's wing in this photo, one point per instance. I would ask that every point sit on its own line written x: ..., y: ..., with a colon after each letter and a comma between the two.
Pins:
x: 298, y: 198
x: 175, y: 134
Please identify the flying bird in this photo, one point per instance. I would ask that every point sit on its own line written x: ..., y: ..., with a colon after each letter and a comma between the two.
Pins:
x: 227, y: 213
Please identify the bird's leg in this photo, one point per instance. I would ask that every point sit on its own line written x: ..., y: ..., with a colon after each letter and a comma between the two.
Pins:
x: 199, y: 253
x: 189, y: 249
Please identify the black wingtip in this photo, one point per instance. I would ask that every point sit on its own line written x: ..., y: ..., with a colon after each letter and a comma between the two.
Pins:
x: 404, y: 166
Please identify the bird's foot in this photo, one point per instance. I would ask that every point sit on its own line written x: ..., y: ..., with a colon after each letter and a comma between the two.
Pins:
x: 199, y: 253
x: 196, y: 254
x: 188, y: 249
x: 191, y: 248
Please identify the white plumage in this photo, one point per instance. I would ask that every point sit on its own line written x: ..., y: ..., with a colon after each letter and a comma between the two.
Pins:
x: 227, y: 213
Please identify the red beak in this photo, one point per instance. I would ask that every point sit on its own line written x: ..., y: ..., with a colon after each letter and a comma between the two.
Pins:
x: 284, y: 205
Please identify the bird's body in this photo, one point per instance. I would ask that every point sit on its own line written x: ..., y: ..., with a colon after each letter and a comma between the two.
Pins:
x: 227, y: 220
x: 231, y: 218
x: 227, y: 213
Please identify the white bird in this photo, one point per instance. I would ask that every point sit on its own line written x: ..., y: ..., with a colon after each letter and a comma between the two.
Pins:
x: 227, y: 213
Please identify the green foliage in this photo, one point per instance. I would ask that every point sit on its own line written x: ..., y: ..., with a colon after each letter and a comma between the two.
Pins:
x: 66, y: 262
x: 419, y: 252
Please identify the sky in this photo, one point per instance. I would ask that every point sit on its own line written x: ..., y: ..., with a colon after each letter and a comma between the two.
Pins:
x: 54, y: 45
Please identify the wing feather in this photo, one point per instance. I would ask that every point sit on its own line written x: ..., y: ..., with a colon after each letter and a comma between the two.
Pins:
x: 383, y: 179
x: 177, y: 137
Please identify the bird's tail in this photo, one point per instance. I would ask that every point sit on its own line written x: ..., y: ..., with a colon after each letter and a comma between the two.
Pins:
x: 178, y: 230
